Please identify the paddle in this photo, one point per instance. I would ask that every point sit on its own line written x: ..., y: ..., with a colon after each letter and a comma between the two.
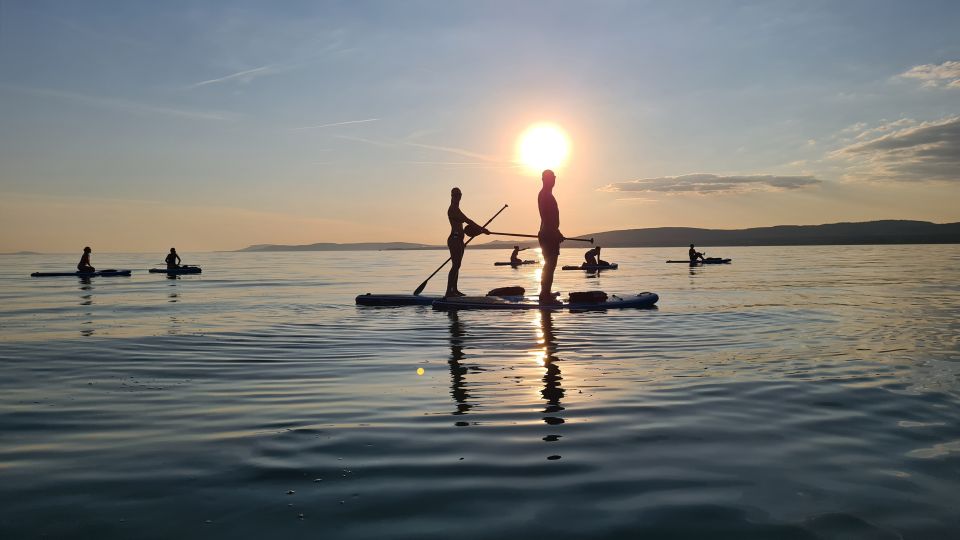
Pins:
x: 535, y: 236
x: 484, y: 226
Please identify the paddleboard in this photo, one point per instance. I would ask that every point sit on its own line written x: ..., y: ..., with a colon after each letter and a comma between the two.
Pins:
x: 504, y: 263
x: 711, y: 260
x: 395, y: 299
x: 611, y: 266
x: 98, y: 273
x: 177, y: 271
x: 644, y: 299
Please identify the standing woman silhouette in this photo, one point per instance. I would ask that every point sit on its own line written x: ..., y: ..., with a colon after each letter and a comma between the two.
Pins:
x: 455, y: 242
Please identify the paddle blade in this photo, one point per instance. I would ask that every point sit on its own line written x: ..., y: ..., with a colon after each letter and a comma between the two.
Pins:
x: 420, y: 289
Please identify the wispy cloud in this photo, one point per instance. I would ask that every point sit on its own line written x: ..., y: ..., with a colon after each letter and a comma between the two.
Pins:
x: 636, y: 200
x: 928, y: 151
x: 452, y: 165
x: 463, y: 163
x: 942, y: 75
x: 451, y: 150
x: 483, y: 158
x: 709, y: 184
x: 126, y: 105
x: 383, y: 144
x: 334, y: 45
x: 332, y: 124
x: 244, y: 76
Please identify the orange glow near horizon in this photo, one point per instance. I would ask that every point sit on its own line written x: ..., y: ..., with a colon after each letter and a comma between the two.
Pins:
x: 543, y: 146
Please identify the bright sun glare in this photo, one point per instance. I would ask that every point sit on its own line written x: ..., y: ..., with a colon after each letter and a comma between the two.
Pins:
x: 543, y: 146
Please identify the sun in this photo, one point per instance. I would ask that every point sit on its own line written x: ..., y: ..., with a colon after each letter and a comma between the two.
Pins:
x: 543, y: 146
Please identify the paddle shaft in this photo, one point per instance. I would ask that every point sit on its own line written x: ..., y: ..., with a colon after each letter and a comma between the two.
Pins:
x: 535, y: 236
x: 484, y: 226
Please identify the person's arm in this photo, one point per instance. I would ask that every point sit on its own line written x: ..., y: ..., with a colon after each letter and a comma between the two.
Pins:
x: 178, y: 259
x: 464, y: 219
x: 469, y: 221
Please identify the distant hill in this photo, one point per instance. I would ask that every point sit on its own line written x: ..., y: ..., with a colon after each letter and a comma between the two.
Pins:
x: 22, y: 253
x: 869, y: 232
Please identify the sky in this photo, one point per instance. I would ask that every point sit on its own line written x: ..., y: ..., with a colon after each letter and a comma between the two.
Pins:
x: 140, y: 125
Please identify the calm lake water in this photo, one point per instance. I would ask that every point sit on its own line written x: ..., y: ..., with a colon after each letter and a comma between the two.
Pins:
x: 801, y: 392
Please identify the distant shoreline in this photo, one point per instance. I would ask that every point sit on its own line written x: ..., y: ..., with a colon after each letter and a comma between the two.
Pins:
x: 884, y: 232
x: 869, y: 233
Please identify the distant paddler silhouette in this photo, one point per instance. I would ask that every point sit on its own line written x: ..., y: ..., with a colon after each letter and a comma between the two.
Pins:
x: 84, y: 264
x: 515, y: 256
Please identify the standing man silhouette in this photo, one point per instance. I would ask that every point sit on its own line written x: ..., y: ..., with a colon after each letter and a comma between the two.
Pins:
x: 455, y: 242
x: 549, y: 236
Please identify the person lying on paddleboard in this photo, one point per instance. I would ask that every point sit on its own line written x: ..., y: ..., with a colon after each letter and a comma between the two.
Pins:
x: 84, y: 264
x: 455, y: 242
x: 514, y: 257
x: 694, y: 254
x: 592, y: 258
x: 549, y: 235
x: 173, y: 260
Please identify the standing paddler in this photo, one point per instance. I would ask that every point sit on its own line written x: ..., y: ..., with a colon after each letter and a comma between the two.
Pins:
x: 455, y: 242
x: 549, y: 236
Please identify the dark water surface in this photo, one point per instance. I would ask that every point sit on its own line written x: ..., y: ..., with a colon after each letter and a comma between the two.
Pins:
x: 807, y: 392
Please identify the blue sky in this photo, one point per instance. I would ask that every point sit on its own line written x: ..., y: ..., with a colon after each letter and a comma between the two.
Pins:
x: 297, y: 122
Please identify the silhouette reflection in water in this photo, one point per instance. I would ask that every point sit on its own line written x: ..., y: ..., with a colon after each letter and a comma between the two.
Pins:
x: 86, y: 299
x: 458, y: 371
x: 86, y: 292
x: 552, y: 378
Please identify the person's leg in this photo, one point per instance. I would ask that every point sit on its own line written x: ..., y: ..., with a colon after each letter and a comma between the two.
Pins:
x: 456, y: 257
x: 546, y: 276
x: 452, y: 276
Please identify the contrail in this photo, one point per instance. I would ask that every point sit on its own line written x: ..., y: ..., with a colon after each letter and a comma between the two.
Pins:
x: 336, y: 124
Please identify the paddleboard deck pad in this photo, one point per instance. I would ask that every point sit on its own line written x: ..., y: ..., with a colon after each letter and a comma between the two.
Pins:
x: 641, y: 300
x: 98, y: 273
x: 611, y: 266
x: 177, y: 271
x: 506, y: 263
x: 395, y: 299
